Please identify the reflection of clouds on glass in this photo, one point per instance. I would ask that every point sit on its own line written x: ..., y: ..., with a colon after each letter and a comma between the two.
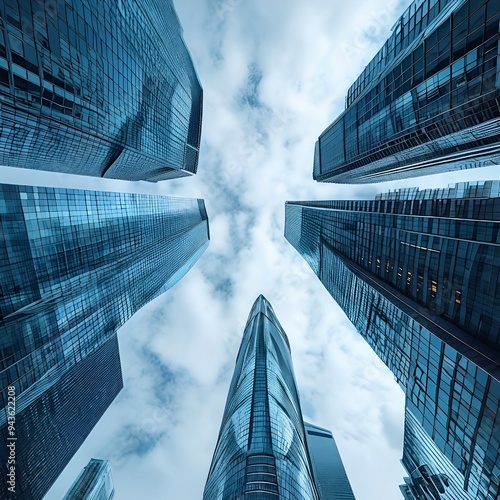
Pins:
x: 283, y: 435
x: 239, y: 428
x: 179, y: 98
x: 118, y: 121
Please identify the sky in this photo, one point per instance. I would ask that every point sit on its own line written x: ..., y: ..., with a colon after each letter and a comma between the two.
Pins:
x: 275, y: 75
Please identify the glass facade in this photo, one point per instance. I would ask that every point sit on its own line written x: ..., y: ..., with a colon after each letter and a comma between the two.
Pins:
x: 431, y: 475
x: 262, y: 449
x: 57, y: 420
x: 97, y: 88
x: 74, y: 266
x: 329, y: 473
x: 427, y: 102
x: 417, y: 272
x: 93, y: 483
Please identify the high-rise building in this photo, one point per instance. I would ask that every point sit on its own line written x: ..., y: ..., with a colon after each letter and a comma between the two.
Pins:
x: 427, y: 102
x: 54, y: 420
x: 262, y: 449
x: 93, y: 483
x: 417, y: 274
x: 431, y: 475
x: 74, y: 266
x: 329, y: 473
x: 106, y: 89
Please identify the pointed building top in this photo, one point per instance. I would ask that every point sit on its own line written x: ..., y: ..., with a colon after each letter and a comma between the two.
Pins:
x: 261, y: 303
x: 263, y: 306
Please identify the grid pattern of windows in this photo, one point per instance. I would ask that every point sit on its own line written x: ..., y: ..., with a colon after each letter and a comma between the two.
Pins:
x: 329, y: 472
x: 74, y: 266
x: 368, y: 253
x: 430, y: 471
x: 93, y: 483
x: 106, y: 89
x: 428, y: 99
x: 262, y: 452
x: 421, y: 17
x: 439, y: 249
x: 53, y: 427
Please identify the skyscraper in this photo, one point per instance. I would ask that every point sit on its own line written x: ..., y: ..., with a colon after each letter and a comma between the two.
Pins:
x: 54, y: 418
x: 427, y: 102
x: 329, y: 473
x: 416, y: 272
x: 106, y: 89
x: 93, y: 483
x: 74, y: 266
x: 262, y: 449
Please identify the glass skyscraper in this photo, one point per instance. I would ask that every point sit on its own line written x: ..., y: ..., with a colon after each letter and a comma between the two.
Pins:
x: 93, y: 483
x: 53, y: 420
x: 97, y: 88
x: 74, y: 266
x: 329, y: 473
x: 262, y: 449
x: 427, y: 102
x: 417, y: 274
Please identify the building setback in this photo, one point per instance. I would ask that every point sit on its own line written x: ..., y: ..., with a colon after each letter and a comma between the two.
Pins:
x: 74, y: 266
x: 417, y: 274
x: 93, y: 483
x: 106, y: 89
x: 262, y: 450
x: 428, y: 102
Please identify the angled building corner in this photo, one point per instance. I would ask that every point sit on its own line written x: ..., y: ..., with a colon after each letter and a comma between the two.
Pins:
x: 427, y: 103
x: 124, y: 103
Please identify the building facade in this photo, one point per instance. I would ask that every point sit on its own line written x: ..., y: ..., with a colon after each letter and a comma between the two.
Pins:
x: 93, y: 483
x: 51, y: 426
x: 416, y: 272
x: 426, y: 103
x: 74, y: 266
x: 329, y: 472
x: 431, y: 475
x: 262, y: 449
x: 106, y: 89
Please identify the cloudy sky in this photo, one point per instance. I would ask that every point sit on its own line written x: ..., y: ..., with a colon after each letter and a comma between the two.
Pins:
x: 274, y: 74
